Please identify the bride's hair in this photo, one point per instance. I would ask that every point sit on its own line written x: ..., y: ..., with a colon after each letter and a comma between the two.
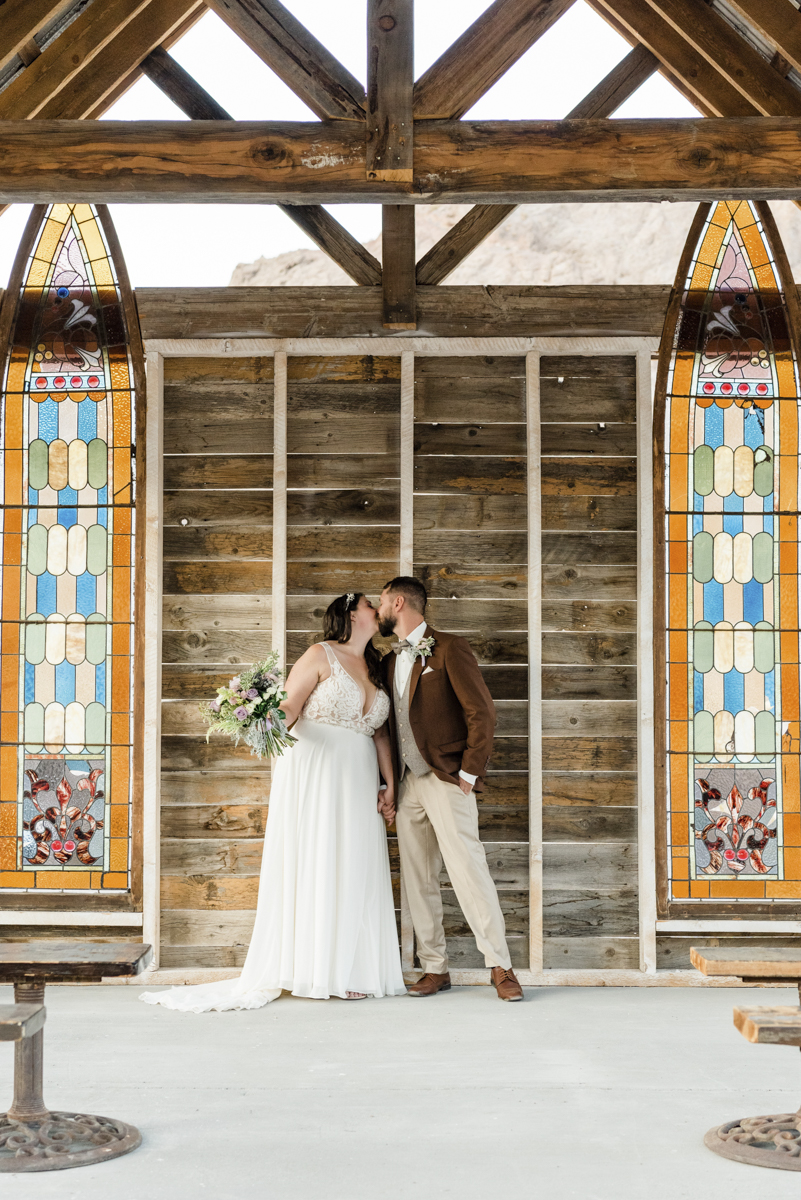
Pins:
x: 337, y: 628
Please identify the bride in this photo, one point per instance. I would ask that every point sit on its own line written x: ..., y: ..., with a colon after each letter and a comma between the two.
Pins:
x: 325, y: 923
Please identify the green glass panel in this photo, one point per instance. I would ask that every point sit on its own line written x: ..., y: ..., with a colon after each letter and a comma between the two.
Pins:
x: 96, y: 550
x: 763, y: 471
x: 703, y: 647
x: 37, y: 464
x: 34, y: 727
x: 98, y: 463
x: 764, y: 647
x: 763, y: 558
x: 765, y: 724
x: 37, y: 549
x: 35, y: 629
x: 96, y: 638
x: 95, y: 727
x: 704, y: 736
x: 703, y: 548
x: 703, y: 470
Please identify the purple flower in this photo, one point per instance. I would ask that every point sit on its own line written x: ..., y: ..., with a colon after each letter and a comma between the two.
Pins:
x: 268, y: 722
x: 215, y: 706
x: 252, y: 694
x: 272, y: 677
x: 241, y: 713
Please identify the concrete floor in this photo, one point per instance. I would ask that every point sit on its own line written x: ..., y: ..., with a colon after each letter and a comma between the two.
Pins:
x: 598, y: 1093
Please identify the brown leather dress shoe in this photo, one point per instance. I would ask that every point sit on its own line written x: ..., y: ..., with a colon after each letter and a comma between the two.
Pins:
x: 429, y: 985
x: 506, y: 984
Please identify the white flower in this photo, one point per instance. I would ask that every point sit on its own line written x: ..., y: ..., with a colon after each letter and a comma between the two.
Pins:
x: 424, y: 649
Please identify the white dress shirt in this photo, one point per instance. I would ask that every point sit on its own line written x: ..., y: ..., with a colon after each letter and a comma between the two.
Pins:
x: 403, y: 669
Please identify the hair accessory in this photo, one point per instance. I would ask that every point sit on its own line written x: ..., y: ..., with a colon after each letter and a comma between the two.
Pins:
x: 351, y: 596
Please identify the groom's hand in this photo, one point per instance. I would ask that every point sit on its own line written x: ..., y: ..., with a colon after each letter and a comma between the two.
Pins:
x: 465, y: 786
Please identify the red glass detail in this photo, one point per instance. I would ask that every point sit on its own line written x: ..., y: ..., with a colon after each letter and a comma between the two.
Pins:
x: 69, y: 847
x: 709, y: 388
x: 726, y: 388
x: 762, y: 389
x: 728, y: 855
x: 41, y: 382
x: 742, y: 855
x: 743, y: 389
x: 55, y: 845
x: 75, y: 381
x: 59, y: 381
x: 93, y: 381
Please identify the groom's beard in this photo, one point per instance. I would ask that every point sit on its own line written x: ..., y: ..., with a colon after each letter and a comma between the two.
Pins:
x: 386, y: 626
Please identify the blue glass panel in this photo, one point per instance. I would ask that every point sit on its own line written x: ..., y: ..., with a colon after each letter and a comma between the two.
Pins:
x: 46, y: 594
x: 65, y: 683
x: 68, y: 496
x: 30, y: 683
x: 734, y: 691
x: 48, y: 420
x: 767, y: 503
x: 87, y: 420
x: 713, y: 426
x: 770, y: 691
x: 68, y: 517
x: 102, y: 495
x: 733, y: 503
x: 102, y: 517
x: 33, y: 516
x: 33, y: 496
x: 86, y: 594
x: 767, y: 523
x: 713, y: 602
x: 698, y: 524
x: 753, y: 602
x: 698, y: 502
x: 732, y: 524
x: 698, y: 691
x: 754, y: 429
x: 100, y: 683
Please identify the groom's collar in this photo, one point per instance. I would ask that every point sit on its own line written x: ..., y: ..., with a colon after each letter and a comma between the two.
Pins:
x: 417, y: 634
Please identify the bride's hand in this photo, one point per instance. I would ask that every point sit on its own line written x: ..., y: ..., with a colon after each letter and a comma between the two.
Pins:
x: 386, y: 805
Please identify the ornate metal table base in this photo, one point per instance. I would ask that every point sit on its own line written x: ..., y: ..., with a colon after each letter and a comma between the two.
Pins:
x: 761, y: 1141
x: 60, y: 1140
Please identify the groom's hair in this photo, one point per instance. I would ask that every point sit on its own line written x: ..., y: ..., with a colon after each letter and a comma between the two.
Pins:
x: 412, y: 590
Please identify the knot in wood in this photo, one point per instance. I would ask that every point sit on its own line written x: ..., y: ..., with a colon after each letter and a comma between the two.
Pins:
x: 272, y: 154
x: 386, y: 23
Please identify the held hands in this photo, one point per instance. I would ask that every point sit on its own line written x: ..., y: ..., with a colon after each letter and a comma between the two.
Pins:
x: 386, y: 805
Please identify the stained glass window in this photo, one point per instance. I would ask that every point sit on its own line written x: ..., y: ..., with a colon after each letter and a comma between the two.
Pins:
x: 731, y: 487
x: 67, y: 566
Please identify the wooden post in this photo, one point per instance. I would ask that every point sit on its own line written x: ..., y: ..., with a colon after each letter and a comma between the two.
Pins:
x: 390, y: 87
x: 151, y: 731
x: 534, y: 507
x: 279, y: 505
x: 646, y: 795
x: 398, y: 266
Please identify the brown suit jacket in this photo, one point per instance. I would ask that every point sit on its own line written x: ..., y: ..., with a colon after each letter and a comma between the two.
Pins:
x: 450, y: 709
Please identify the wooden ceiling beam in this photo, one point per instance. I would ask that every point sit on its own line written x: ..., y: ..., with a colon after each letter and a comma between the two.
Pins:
x: 689, y: 72
x: 730, y: 54
x: 54, y: 69
x: 397, y: 258
x: 315, y: 221
x: 504, y: 162
x: 295, y: 55
x: 778, y: 22
x: 483, y: 219
x: 20, y: 20
x: 484, y: 53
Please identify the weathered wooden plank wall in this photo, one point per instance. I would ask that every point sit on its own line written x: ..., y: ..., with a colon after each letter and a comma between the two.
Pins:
x: 218, y: 433
x: 470, y: 548
x: 589, y: 577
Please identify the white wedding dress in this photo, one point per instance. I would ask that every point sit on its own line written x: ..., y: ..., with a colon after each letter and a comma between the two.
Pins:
x: 325, y: 922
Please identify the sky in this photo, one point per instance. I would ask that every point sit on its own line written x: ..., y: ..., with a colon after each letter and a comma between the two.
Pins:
x: 180, y: 245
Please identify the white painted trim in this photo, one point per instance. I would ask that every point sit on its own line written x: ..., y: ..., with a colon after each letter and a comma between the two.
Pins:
x: 29, y: 917
x: 406, y: 558
x: 243, y: 347
x: 646, y: 799
x: 534, y: 576
x: 173, y: 976
x: 151, y: 733
x: 728, y: 925
x: 279, y: 506
x: 406, y: 567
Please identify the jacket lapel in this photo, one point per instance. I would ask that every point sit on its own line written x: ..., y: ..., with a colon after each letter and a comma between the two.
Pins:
x: 417, y: 669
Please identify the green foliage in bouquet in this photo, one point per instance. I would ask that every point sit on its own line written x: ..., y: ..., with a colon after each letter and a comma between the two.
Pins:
x: 249, y: 710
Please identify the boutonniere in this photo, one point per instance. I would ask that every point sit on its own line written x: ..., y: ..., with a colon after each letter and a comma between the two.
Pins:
x: 424, y: 649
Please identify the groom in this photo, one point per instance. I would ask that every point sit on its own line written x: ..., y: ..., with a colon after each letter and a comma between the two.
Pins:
x: 441, y: 726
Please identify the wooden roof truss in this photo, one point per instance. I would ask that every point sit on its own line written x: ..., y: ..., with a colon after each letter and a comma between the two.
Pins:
x: 395, y: 139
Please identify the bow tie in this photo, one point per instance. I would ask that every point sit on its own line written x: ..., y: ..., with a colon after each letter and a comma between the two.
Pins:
x: 400, y: 646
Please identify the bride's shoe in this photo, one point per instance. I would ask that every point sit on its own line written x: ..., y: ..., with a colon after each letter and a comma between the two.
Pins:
x: 355, y: 995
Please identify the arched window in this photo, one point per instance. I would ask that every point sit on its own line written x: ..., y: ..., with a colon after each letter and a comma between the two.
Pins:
x: 67, y: 560
x: 729, y: 663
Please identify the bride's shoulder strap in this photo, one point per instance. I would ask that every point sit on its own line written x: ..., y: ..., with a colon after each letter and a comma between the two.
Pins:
x: 329, y: 653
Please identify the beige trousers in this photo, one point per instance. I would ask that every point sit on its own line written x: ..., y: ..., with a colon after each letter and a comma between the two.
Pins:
x: 437, y: 822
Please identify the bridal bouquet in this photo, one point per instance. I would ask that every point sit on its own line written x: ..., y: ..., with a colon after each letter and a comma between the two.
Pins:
x: 250, y: 709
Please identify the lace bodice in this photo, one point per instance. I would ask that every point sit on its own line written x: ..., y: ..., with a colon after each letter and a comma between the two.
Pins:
x: 339, y: 700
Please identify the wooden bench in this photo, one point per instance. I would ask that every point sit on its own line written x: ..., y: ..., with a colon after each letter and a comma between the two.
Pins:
x: 771, y: 1141
x: 31, y: 1137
